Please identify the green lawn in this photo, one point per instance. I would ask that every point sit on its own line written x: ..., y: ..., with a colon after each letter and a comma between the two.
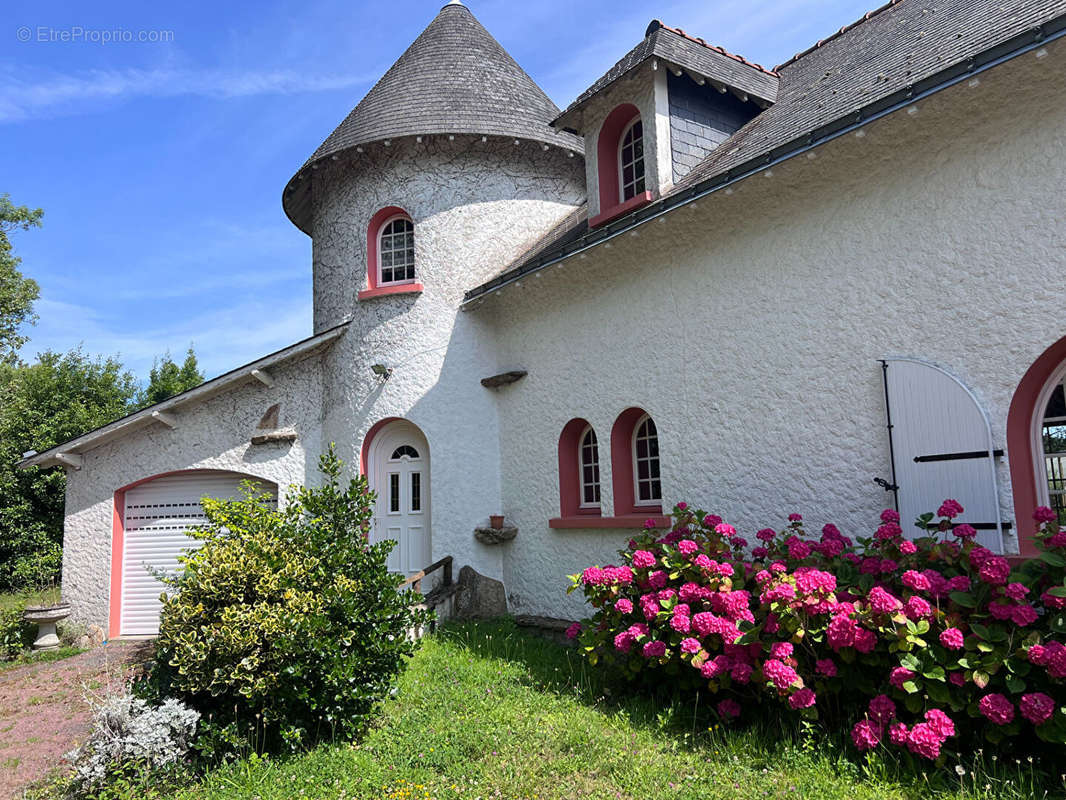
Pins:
x: 488, y: 711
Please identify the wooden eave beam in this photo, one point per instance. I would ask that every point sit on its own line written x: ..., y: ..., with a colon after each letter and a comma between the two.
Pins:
x: 167, y: 419
x: 263, y: 377
x: 69, y: 459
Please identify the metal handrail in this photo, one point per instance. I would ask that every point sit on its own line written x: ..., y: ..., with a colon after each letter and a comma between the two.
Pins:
x: 415, y: 581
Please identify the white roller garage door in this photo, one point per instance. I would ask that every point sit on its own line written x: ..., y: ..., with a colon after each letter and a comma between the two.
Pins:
x: 157, y: 516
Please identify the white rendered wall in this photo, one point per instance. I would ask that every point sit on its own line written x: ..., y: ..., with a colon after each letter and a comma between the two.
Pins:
x: 214, y: 434
x: 476, y: 207
x: 750, y: 327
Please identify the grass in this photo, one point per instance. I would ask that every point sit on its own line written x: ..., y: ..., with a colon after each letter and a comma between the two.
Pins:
x: 30, y: 597
x: 25, y: 632
x: 42, y: 657
x: 487, y: 711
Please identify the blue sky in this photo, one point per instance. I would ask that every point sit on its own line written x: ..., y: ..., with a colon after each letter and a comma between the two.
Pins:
x: 160, y: 165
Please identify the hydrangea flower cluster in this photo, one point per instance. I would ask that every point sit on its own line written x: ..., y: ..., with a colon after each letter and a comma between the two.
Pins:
x: 937, y: 637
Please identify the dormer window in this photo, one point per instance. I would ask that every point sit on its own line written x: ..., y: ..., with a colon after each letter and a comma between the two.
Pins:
x: 620, y: 164
x: 396, y: 251
x: 390, y: 254
x: 631, y: 161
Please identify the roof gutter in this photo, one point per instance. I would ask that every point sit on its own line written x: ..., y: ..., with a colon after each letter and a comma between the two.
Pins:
x: 1016, y: 46
x: 64, y: 454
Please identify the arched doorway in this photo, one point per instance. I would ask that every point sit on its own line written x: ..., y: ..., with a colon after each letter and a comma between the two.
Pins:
x: 397, y: 468
x: 1049, y: 444
x: 1036, y: 442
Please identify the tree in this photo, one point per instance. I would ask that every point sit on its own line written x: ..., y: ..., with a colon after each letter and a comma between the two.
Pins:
x: 17, y: 292
x: 42, y: 404
x: 168, y: 379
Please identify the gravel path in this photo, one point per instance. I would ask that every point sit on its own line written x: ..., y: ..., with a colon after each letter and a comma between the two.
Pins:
x: 45, y: 708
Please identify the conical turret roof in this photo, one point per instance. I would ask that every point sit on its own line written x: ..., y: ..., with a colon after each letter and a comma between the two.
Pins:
x: 455, y: 78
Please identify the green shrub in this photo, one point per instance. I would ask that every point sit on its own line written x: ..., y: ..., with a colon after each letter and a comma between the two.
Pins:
x: 286, y: 625
x: 15, y: 634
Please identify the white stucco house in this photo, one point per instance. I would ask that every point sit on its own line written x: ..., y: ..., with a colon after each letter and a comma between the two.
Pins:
x: 827, y: 287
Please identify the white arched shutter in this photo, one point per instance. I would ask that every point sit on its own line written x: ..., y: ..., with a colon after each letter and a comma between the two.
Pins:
x: 941, y: 447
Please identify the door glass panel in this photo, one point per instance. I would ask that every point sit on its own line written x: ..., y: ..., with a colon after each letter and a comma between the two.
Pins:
x: 416, y: 491
x: 1053, y: 433
x: 394, y: 492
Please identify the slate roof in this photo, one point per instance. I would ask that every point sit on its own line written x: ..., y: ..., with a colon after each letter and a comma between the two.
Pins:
x: 455, y: 78
x: 893, y: 47
x: 895, y: 52
x: 679, y: 48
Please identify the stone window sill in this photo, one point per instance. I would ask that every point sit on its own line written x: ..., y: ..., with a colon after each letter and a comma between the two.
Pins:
x: 593, y: 523
x: 382, y: 291
x: 632, y: 204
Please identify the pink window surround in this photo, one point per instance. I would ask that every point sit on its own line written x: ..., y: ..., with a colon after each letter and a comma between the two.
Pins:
x: 610, y: 136
x: 621, y: 209
x: 373, y: 232
x: 569, y: 472
x: 118, y: 540
x: 622, y: 479
x: 599, y: 523
x: 1021, y: 446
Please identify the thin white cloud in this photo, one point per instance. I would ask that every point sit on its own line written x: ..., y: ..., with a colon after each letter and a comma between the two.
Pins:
x: 53, y: 95
x: 224, y: 338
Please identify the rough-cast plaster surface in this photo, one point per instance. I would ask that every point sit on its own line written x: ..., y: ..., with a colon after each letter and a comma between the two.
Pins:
x: 215, y: 434
x: 751, y: 327
x: 476, y: 206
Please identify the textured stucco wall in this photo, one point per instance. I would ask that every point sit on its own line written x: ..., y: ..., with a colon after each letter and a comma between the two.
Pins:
x: 646, y: 89
x: 214, y: 434
x: 476, y: 206
x: 751, y: 326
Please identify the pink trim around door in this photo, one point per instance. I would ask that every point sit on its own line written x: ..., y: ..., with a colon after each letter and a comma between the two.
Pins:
x: 1020, y: 452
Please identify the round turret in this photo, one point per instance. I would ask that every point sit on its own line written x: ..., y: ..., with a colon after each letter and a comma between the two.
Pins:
x: 455, y: 79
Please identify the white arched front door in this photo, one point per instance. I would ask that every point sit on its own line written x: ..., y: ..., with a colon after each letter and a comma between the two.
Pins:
x: 399, y: 472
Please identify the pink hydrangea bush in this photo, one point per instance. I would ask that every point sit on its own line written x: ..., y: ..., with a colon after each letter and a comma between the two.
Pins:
x: 920, y: 644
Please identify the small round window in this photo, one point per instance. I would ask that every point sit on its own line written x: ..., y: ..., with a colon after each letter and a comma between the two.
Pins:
x: 402, y: 451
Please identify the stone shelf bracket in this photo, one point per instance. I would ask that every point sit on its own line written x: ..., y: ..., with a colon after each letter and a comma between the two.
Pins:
x: 503, y: 379
x: 495, y: 535
x: 268, y: 431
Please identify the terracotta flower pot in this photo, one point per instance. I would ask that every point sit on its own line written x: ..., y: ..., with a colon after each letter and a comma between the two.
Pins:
x: 496, y: 521
x: 46, y: 618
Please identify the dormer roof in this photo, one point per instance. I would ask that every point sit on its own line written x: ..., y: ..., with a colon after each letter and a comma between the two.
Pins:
x: 677, y: 49
x: 455, y: 78
x: 888, y: 60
